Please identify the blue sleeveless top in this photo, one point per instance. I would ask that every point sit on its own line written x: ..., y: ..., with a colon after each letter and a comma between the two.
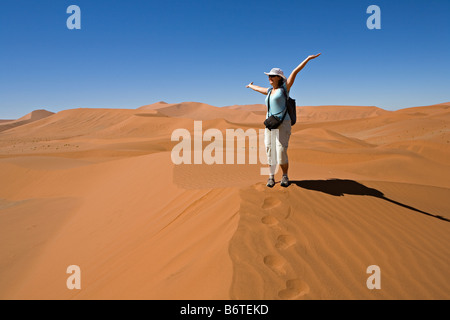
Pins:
x: 277, y: 103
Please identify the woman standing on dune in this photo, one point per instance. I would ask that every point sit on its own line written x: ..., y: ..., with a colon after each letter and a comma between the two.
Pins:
x: 276, y: 103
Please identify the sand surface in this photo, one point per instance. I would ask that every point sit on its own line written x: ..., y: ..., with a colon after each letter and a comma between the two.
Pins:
x: 97, y: 188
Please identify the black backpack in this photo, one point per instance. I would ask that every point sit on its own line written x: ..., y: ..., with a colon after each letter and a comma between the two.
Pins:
x: 291, y: 108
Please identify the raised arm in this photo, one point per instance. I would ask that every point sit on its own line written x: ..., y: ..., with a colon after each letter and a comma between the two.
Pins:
x: 291, y: 79
x: 257, y: 88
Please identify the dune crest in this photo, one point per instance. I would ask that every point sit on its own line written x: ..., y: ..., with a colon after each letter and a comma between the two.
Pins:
x: 28, y: 118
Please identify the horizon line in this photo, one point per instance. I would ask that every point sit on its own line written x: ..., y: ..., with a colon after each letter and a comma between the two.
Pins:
x: 232, y: 105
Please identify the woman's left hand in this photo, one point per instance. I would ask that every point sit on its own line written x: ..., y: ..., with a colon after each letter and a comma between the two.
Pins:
x: 314, y: 56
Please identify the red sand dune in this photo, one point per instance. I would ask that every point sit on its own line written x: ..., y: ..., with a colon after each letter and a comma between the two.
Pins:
x: 202, y: 111
x: 28, y: 118
x: 97, y: 188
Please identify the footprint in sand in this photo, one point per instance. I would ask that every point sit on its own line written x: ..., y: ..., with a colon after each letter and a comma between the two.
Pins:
x: 275, y: 263
x: 295, y: 288
x: 285, y: 241
x: 270, y: 203
x: 289, y: 210
x: 269, y: 220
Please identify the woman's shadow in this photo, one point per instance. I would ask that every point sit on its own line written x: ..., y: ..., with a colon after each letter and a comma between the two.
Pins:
x: 338, y: 187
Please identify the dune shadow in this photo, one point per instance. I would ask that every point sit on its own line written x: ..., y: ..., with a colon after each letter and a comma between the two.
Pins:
x: 338, y: 187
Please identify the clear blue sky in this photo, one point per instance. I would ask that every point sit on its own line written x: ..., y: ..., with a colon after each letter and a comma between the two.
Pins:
x: 131, y: 53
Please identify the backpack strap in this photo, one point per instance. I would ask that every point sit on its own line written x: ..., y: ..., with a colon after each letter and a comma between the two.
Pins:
x: 286, y: 107
x: 268, y: 99
x: 285, y: 94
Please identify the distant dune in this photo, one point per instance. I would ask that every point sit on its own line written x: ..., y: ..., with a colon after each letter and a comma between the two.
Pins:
x: 36, y: 115
x: 321, y: 113
x: 202, y: 111
x: 336, y: 113
x: 97, y: 188
x: 28, y: 118
x: 156, y: 105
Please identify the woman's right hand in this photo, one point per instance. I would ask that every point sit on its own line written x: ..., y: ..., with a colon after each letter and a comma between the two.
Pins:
x: 248, y: 86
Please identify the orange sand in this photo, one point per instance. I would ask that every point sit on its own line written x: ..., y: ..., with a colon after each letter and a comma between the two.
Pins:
x: 97, y: 188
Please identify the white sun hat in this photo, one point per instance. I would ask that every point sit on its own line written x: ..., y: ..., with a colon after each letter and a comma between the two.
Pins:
x: 276, y: 72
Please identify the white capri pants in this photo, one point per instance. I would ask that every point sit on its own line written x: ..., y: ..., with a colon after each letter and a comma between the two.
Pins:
x: 277, y: 142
